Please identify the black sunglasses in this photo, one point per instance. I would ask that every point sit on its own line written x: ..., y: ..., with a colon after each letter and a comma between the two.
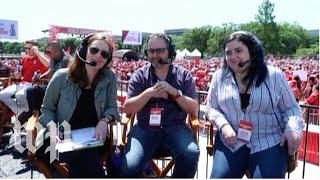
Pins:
x: 27, y: 48
x: 157, y: 50
x: 103, y: 53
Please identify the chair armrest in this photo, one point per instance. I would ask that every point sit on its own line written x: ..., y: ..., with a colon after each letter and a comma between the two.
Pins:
x: 125, y: 120
x: 194, y: 124
x: 127, y: 123
x: 212, y: 130
x: 31, y: 123
x: 208, y: 124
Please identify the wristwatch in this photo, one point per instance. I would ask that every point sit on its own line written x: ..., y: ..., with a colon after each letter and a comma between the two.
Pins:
x: 175, y: 97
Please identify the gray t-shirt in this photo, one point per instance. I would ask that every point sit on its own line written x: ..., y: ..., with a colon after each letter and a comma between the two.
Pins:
x: 60, y: 63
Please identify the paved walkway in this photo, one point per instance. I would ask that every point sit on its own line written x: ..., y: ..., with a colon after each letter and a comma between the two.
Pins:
x: 13, y: 164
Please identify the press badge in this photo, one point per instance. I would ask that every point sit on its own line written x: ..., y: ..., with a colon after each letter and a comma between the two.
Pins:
x: 155, y: 116
x: 244, y: 132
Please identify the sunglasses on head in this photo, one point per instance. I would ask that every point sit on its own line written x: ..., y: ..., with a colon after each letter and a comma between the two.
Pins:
x: 103, y: 53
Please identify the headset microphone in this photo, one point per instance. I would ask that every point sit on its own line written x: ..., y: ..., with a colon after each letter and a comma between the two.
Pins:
x: 241, y: 64
x: 91, y: 63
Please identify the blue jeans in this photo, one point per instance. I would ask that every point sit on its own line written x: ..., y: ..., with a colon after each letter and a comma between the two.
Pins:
x: 144, y: 141
x: 269, y: 163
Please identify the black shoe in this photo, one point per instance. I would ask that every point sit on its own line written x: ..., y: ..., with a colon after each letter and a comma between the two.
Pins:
x: 24, y: 116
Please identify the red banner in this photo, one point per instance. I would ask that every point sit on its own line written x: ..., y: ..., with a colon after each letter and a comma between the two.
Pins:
x: 54, y: 30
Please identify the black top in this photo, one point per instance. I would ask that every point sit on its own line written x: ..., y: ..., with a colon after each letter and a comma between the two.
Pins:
x: 85, y: 114
x: 244, y: 101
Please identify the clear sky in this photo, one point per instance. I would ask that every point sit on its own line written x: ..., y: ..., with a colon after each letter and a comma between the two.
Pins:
x: 33, y: 16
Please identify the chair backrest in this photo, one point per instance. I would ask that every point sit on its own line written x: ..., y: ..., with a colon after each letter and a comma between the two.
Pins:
x: 5, y: 120
x: 163, y: 159
x: 5, y: 82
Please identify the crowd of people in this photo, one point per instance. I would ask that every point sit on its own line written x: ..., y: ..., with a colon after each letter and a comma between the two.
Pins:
x: 203, y: 70
x: 252, y: 100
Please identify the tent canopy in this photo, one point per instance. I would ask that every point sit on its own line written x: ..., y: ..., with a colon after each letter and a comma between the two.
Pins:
x: 186, y: 52
x: 195, y: 53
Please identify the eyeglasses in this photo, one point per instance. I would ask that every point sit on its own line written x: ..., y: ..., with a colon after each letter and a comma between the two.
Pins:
x: 157, y: 50
x: 27, y: 48
x: 103, y: 53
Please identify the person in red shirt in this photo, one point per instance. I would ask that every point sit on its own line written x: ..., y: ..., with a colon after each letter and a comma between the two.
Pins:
x: 313, y: 99
x: 296, y: 91
x: 14, y: 96
x: 30, y: 64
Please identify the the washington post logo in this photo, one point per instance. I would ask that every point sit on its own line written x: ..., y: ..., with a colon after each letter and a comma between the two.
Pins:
x: 33, y: 143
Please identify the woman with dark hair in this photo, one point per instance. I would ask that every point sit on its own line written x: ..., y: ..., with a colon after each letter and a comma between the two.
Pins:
x: 255, y: 111
x: 299, y: 82
x: 84, y: 95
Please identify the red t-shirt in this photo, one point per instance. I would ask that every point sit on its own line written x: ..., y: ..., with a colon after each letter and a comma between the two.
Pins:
x: 29, y: 66
x: 313, y: 99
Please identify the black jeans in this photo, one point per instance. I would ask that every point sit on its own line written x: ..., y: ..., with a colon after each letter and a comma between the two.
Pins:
x: 82, y: 164
x: 35, y: 97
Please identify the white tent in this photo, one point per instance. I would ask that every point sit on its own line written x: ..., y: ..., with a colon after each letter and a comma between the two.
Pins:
x: 186, y: 52
x: 119, y: 53
x: 179, y: 55
x: 195, y: 53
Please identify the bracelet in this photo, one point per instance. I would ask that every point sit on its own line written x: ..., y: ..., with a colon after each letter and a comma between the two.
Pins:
x: 223, y: 125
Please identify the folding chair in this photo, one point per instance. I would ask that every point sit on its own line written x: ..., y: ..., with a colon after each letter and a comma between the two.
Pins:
x: 162, y: 162
x: 4, y: 110
x: 5, y: 121
x: 5, y: 82
x: 211, y: 133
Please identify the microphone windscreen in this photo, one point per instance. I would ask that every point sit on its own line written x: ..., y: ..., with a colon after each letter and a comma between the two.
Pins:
x: 92, y: 63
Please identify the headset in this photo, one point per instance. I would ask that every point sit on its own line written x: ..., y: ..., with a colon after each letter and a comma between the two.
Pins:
x: 170, y: 45
x: 83, y: 48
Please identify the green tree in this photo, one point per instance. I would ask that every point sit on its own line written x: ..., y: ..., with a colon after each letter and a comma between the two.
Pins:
x: 269, y: 33
x: 313, y: 51
x: 217, y: 38
x: 253, y: 27
x: 196, y: 38
x: 12, y: 47
x: 177, y: 40
x: 71, y: 43
x: 5, y: 47
x: 292, y: 37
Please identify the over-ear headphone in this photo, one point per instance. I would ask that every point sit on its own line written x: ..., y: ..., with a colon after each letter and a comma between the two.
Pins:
x: 170, y: 45
x: 83, y: 48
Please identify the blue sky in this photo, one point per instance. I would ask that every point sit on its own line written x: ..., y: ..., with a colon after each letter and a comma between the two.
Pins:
x: 34, y: 16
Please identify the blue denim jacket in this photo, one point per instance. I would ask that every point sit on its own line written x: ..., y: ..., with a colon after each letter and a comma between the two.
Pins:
x: 62, y: 95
